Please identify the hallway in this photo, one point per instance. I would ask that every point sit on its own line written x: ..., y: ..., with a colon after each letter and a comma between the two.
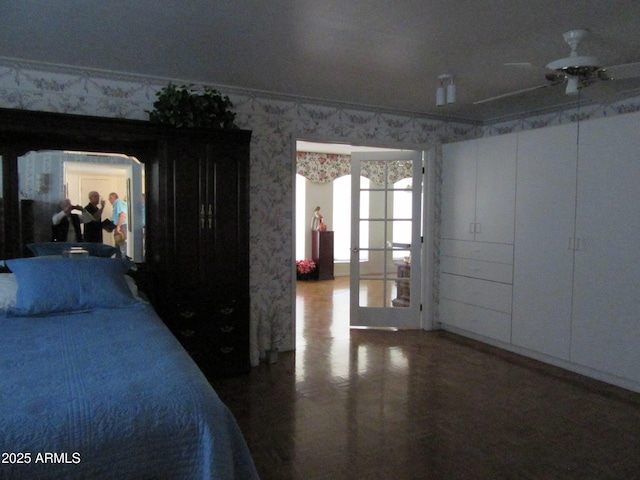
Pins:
x: 365, y: 404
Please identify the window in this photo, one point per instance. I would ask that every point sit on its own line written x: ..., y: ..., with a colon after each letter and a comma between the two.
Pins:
x: 342, y: 219
x: 301, y: 224
x: 402, y: 209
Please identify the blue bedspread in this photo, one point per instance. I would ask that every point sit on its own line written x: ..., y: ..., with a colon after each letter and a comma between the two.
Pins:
x: 110, y: 394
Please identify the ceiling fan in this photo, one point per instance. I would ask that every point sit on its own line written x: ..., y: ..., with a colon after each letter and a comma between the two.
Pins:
x: 576, y: 71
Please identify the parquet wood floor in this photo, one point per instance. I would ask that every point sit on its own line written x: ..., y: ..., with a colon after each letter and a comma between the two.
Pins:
x: 367, y: 404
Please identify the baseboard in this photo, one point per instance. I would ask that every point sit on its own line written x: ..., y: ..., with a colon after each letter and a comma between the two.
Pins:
x: 557, y: 362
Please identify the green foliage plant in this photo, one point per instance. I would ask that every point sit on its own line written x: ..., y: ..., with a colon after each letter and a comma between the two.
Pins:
x: 184, y: 107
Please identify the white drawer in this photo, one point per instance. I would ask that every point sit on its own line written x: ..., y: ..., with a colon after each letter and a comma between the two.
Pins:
x: 488, y: 323
x: 497, y: 272
x: 488, y: 252
x: 473, y: 291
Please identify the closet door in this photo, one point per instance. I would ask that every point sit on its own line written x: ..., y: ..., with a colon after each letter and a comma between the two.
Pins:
x: 544, y: 229
x: 459, y: 190
x: 495, y: 189
x: 606, y: 326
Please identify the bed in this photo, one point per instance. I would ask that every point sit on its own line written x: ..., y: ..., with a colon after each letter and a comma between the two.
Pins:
x: 93, y: 385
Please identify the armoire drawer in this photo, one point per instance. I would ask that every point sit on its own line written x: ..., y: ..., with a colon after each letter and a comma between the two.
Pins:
x: 488, y: 252
x: 488, y: 323
x: 473, y: 291
x: 497, y: 272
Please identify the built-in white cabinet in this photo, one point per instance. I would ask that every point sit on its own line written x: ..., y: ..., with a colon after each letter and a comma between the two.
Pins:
x: 476, y: 262
x: 495, y: 189
x: 459, y: 190
x: 566, y: 287
x: 606, y: 315
x: 544, y: 239
x: 478, y: 189
x: 475, y: 287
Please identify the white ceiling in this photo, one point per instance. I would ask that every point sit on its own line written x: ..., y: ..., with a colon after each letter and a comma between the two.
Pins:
x: 380, y: 53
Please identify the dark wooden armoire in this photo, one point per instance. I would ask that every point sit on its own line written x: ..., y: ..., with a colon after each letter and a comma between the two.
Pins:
x: 204, y: 178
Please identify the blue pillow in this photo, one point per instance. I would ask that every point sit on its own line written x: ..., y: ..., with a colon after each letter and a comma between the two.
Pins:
x: 50, y: 285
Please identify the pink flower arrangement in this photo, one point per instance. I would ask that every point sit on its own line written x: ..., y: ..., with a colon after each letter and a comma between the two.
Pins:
x: 305, y: 266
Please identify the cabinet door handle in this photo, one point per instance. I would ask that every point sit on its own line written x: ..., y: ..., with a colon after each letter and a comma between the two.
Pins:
x: 472, y: 228
x: 210, y: 216
x: 202, y: 216
x: 227, y: 329
x: 226, y: 350
x: 571, y: 244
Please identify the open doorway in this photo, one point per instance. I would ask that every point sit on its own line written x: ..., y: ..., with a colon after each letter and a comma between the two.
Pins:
x: 82, y: 178
x: 323, y: 182
x: 125, y: 179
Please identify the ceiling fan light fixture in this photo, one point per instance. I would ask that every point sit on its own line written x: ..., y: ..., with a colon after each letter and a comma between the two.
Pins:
x: 445, y: 93
x: 440, y: 96
x: 451, y: 92
x: 572, y: 86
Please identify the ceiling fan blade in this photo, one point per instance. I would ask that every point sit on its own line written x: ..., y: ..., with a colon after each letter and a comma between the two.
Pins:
x: 510, y: 94
x: 519, y: 64
x: 531, y: 66
x: 627, y: 70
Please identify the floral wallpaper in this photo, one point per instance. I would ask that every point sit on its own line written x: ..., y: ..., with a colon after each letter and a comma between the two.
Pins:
x: 276, y: 121
x: 326, y: 167
x: 322, y: 167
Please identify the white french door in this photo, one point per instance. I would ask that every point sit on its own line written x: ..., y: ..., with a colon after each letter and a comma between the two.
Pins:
x: 386, y: 241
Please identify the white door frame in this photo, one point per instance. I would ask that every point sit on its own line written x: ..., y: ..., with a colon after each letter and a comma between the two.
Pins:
x: 428, y: 217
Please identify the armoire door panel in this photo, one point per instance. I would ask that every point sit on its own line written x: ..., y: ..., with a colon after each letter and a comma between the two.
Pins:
x: 226, y: 192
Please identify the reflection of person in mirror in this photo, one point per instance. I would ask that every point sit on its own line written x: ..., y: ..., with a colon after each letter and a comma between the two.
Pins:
x: 65, y: 221
x: 93, y: 228
x: 119, y: 219
x: 317, y: 224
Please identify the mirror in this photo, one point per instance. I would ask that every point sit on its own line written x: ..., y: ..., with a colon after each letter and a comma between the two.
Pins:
x: 46, y: 177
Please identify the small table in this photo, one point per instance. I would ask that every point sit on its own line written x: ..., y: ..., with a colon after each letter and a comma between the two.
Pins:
x: 403, y: 286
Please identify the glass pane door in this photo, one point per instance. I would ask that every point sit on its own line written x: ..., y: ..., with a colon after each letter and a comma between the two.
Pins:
x: 385, y: 237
